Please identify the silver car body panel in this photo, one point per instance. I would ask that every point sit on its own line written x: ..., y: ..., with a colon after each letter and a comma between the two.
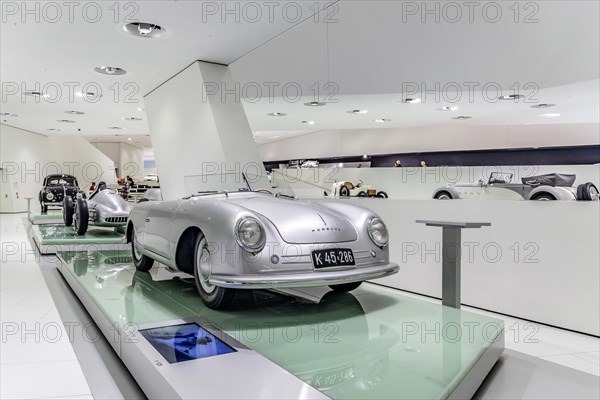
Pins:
x: 293, y: 229
x: 109, y: 209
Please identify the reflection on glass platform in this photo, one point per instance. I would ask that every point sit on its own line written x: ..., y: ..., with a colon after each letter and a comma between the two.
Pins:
x: 371, y: 344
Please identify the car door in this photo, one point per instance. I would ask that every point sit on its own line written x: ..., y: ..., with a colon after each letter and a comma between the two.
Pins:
x: 158, y: 227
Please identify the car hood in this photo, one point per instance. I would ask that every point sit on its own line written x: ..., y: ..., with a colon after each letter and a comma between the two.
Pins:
x: 299, y: 222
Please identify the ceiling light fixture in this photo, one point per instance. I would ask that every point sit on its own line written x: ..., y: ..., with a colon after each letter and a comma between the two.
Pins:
x: 110, y: 70
x: 88, y: 95
x: 35, y: 93
x: 73, y: 112
x: 54, y: 130
x: 356, y: 112
x: 447, y: 108
x: 141, y: 109
x: 462, y: 117
x: 7, y: 114
x: 550, y: 115
x: 65, y: 121
x: 131, y: 119
x: 381, y: 120
x: 543, y: 105
x: 511, y: 97
x: 145, y: 30
x: 411, y: 100
x: 314, y: 104
x: 115, y: 127
x: 276, y: 114
x: 129, y: 139
x: 308, y: 122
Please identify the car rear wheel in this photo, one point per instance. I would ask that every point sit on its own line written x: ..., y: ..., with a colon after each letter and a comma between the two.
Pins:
x: 382, y: 195
x: 587, y: 192
x: 142, y: 262
x: 345, y: 287
x: 544, y: 197
x: 362, y: 193
x: 68, y: 211
x: 443, y: 196
x: 44, y: 208
x: 214, y: 297
x: 81, y: 217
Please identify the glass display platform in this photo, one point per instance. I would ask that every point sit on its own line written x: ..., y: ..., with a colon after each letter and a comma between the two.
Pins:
x: 50, y: 218
x: 53, y: 238
x: 372, y: 343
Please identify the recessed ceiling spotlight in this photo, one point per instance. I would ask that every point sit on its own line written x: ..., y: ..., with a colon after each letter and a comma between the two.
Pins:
x: 131, y: 119
x: 34, y: 93
x: 511, y: 97
x: 276, y: 114
x: 308, y: 122
x: 411, y: 100
x: 129, y: 139
x: 115, y: 127
x: 65, y: 121
x: 109, y: 70
x: 314, y: 104
x: 7, y: 114
x: 145, y: 30
x: 141, y: 109
x: 381, y: 120
x: 88, y: 95
x: 365, y: 156
x: 356, y: 112
x: 54, y: 130
x: 543, y: 105
x: 550, y: 115
x: 447, y: 108
x: 461, y: 117
x: 73, y: 112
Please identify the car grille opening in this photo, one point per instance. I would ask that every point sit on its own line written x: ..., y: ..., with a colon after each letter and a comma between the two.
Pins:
x: 114, y: 220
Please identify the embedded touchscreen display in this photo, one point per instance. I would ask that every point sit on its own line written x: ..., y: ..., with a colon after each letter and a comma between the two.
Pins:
x: 185, y: 342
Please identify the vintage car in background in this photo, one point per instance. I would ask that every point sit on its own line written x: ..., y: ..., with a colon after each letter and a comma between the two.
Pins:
x: 55, y: 189
x: 151, y: 195
x: 104, y: 207
x: 348, y: 189
x: 239, y: 233
x: 501, y: 186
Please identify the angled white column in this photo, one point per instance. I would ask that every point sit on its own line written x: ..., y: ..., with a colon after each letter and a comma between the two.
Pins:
x: 197, y: 127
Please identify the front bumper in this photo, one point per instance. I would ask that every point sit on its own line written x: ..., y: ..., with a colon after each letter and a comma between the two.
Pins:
x: 304, y: 279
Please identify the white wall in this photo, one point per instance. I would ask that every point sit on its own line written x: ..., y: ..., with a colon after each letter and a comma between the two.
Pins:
x: 354, y: 142
x: 538, y: 260
x: 27, y: 158
x: 129, y: 159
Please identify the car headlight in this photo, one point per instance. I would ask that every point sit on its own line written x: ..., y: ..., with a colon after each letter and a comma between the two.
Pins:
x: 378, y: 231
x: 250, y: 234
x: 49, y: 195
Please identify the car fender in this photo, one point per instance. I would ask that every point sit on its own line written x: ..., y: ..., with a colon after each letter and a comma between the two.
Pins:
x: 559, y: 192
x: 449, y: 189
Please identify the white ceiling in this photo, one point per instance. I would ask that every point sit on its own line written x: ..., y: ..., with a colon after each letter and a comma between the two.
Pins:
x: 368, y: 49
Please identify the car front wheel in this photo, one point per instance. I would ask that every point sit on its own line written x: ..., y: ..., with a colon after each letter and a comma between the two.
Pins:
x: 544, y: 197
x: 214, y: 297
x: 443, y: 196
x: 345, y: 287
x: 81, y: 217
x: 142, y: 262
x: 68, y: 211
x: 587, y: 192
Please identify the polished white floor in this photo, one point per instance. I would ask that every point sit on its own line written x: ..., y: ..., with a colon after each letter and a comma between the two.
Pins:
x: 35, y: 342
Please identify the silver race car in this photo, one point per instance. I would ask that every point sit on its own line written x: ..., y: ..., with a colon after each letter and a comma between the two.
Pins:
x: 237, y: 232
x: 104, y: 207
x: 500, y: 186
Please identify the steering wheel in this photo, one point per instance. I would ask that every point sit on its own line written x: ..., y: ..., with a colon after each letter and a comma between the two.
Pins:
x: 263, y: 190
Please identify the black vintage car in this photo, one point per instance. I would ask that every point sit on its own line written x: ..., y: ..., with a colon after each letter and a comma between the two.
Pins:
x: 54, y: 190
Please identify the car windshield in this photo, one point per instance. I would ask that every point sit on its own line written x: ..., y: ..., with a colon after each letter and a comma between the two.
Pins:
x: 237, y: 182
x: 501, y: 177
x: 62, y: 180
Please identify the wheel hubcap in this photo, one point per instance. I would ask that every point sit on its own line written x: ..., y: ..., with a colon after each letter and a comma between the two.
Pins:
x: 136, y: 252
x: 204, y: 268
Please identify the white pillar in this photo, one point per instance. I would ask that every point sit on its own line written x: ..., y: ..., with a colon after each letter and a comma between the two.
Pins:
x: 198, y: 126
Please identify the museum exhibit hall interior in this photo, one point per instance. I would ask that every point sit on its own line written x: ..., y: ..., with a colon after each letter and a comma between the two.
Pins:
x: 310, y: 199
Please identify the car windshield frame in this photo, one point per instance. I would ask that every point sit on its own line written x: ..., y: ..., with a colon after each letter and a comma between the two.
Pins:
x: 55, y: 180
x: 225, y: 183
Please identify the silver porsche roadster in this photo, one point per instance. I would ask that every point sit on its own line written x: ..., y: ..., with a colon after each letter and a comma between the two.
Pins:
x: 104, y: 207
x: 241, y: 233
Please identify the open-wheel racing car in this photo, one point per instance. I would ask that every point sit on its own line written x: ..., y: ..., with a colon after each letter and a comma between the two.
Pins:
x: 347, y: 189
x: 55, y: 189
x: 104, y: 207
x: 237, y: 233
x: 501, y: 186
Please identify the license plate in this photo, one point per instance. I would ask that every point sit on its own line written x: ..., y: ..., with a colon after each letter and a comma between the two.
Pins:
x: 332, y: 258
x: 329, y: 379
